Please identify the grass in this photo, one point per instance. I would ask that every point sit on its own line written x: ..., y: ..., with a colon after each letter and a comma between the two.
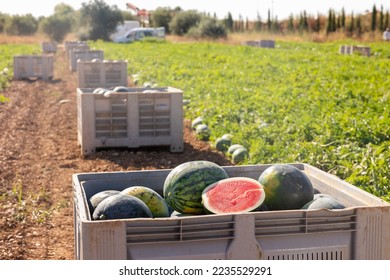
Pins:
x: 26, y: 205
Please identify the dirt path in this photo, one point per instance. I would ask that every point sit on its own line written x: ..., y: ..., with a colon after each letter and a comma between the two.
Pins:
x: 39, y: 154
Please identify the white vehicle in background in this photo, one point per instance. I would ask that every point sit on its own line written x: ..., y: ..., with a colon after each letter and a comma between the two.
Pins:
x: 140, y: 33
x: 125, y: 27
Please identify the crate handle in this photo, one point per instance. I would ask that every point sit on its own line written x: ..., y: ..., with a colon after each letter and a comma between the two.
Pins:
x: 244, y: 245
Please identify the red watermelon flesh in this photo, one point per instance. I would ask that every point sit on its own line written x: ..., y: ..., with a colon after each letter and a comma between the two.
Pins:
x: 233, y: 195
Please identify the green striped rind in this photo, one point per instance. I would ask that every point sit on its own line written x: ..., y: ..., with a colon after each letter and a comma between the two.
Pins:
x: 222, y: 144
x: 185, y: 183
x: 239, y: 155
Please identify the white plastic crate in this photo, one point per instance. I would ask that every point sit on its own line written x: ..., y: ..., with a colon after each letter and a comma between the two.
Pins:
x: 363, y: 50
x: 75, y: 45
x: 49, y: 47
x: 260, y: 43
x: 106, y: 73
x: 346, y: 49
x: 267, y: 44
x: 360, y: 231
x: 81, y: 55
x: 141, y: 117
x: 33, y: 66
x: 250, y: 43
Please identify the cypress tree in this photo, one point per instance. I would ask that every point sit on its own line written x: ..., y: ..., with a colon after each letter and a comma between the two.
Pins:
x: 352, y: 26
x: 338, y: 23
x: 258, y: 22
x: 381, y: 19
x: 373, y: 19
x: 305, y: 23
x: 358, y: 26
x: 318, y: 23
x: 329, y: 25
x: 290, y: 24
x: 269, y: 22
x: 334, y: 25
x: 229, y: 22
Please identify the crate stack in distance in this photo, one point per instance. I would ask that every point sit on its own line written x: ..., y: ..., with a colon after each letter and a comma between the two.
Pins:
x: 110, y: 114
x: 129, y: 117
x: 351, y: 49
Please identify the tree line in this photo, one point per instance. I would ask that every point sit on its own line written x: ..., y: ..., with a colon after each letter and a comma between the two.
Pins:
x: 97, y: 20
x: 331, y: 23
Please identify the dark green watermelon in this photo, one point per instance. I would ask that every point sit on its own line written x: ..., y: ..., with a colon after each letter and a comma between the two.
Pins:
x: 202, y: 132
x: 196, y: 122
x: 121, y: 206
x: 222, y: 144
x: 323, y: 201
x: 100, y: 196
x: 286, y: 187
x: 239, y: 155
x: 233, y: 147
x: 185, y: 183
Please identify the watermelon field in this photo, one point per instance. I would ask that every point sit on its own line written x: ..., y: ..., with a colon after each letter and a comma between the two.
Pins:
x: 299, y: 102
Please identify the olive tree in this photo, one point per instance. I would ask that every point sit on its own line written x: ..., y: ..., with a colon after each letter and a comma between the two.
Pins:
x: 21, y: 25
x: 99, y: 20
x: 182, y: 22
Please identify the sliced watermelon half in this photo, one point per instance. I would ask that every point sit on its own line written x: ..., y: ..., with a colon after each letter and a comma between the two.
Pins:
x: 233, y: 195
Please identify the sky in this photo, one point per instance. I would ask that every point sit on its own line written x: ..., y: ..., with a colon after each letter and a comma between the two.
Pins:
x: 281, y: 9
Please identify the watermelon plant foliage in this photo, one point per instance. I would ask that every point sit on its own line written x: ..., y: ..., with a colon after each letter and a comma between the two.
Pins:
x: 300, y: 102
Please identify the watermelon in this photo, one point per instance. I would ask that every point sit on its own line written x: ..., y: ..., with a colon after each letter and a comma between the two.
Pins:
x: 233, y: 195
x: 197, y: 121
x: 120, y: 206
x: 151, y: 198
x: 177, y: 214
x: 323, y: 201
x: 227, y: 136
x: 234, y: 147
x: 185, y: 183
x: 100, y: 196
x: 121, y: 89
x: 98, y: 90
x: 222, y: 144
x: 239, y: 155
x: 202, y: 132
x: 286, y: 187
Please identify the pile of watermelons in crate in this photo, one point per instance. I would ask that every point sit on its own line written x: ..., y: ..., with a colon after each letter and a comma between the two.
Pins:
x: 203, y: 187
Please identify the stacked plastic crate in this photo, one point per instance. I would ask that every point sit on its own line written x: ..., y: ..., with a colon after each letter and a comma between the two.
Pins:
x: 76, y: 55
x: 129, y: 117
x: 98, y: 73
x: 260, y: 43
x: 351, y: 49
x: 33, y: 66
x: 49, y: 47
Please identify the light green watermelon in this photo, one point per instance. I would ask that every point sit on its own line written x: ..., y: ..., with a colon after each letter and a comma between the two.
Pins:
x: 151, y: 198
